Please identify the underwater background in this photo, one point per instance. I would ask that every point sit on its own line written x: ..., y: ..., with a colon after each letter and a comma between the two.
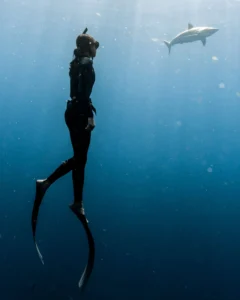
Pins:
x: 162, y: 180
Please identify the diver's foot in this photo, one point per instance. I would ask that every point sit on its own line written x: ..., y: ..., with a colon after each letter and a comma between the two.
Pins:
x: 41, y: 187
x: 78, y: 209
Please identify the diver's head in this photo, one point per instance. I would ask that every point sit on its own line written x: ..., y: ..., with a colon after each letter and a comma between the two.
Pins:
x: 86, y: 45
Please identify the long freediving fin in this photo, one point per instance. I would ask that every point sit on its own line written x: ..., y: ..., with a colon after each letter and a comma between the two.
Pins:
x: 40, y: 192
x: 91, y: 254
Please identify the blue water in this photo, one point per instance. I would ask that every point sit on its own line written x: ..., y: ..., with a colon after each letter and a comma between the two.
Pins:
x: 163, y: 172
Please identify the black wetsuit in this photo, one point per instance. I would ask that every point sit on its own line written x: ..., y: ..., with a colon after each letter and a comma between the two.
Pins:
x: 79, y: 109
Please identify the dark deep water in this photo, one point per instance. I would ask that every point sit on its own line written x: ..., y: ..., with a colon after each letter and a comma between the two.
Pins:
x: 162, y: 180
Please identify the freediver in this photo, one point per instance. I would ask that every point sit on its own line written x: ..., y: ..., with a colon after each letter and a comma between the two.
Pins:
x: 79, y: 119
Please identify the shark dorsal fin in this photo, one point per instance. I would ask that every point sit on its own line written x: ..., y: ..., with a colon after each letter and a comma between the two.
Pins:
x: 190, y: 26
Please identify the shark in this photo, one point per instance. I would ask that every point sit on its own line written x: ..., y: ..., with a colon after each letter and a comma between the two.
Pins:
x: 192, y: 34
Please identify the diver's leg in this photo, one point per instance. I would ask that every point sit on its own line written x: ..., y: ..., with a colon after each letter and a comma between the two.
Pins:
x: 62, y: 170
x: 43, y: 184
x: 78, y: 171
x: 80, y: 143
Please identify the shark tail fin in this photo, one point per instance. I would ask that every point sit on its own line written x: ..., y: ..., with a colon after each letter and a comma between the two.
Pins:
x: 168, y: 45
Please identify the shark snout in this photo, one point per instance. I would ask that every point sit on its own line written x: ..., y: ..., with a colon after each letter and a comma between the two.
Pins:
x: 212, y: 30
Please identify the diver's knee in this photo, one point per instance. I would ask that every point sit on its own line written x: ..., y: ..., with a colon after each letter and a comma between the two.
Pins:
x: 69, y: 162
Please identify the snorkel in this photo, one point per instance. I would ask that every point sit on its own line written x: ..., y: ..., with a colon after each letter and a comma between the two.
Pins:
x: 85, y: 31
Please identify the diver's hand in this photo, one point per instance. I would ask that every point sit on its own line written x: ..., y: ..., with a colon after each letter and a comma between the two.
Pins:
x: 90, y: 125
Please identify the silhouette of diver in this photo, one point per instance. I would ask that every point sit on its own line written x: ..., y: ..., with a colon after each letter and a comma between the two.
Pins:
x: 80, y: 122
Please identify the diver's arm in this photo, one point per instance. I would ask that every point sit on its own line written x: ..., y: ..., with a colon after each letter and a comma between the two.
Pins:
x: 87, y: 78
x: 73, y: 83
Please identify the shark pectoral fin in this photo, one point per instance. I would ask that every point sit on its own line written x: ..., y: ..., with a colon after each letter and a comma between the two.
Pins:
x: 190, y: 26
x: 204, y: 41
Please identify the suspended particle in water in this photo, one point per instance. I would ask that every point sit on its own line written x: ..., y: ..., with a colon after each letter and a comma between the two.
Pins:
x: 238, y: 94
x: 221, y: 85
x: 179, y: 123
x: 209, y: 170
x: 214, y: 58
